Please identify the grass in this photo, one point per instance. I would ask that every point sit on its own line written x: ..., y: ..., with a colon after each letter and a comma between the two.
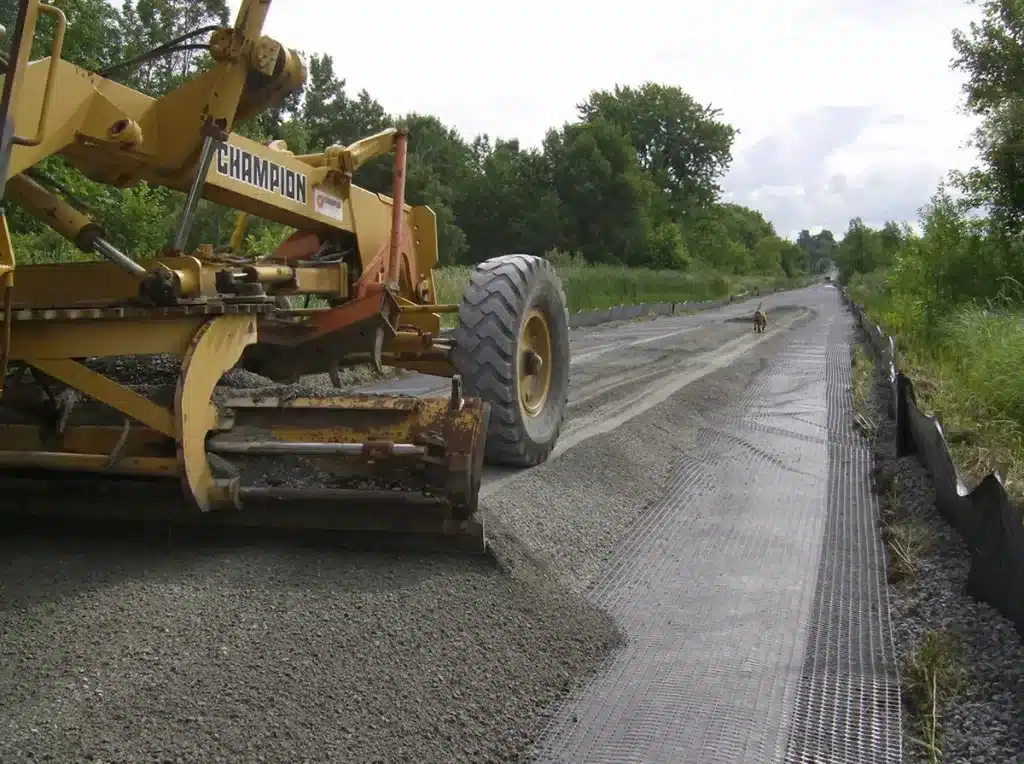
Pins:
x: 863, y: 367
x: 863, y: 376
x: 977, y: 391
x: 909, y: 539
x: 598, y: 287
x: 966, y: 370
x: 932, y: 674
x: 587, y: 287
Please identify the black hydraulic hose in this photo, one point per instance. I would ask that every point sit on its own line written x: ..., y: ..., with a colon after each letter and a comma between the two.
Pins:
x: 165, y: 49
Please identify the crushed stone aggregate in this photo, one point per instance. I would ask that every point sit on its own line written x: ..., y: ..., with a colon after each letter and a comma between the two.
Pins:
x: 985, y: 723
x: 120, y: 653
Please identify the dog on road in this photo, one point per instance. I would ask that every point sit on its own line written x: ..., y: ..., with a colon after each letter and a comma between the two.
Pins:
x: 760, y: 320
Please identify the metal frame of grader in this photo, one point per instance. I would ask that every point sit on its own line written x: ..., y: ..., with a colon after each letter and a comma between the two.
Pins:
x: 370, y: 257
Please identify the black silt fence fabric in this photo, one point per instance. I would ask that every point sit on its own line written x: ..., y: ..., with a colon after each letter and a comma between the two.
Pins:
x: 988, y: 521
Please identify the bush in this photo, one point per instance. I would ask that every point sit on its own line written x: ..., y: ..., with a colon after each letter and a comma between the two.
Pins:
x: 957, y: 315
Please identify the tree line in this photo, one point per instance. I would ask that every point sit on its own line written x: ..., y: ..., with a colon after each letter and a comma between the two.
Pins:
x: 633, y: 181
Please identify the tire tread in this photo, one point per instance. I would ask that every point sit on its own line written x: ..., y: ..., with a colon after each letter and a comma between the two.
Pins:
x: 485, y: 342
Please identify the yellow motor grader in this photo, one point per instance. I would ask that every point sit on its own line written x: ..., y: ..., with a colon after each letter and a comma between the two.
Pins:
x: 77, y: 439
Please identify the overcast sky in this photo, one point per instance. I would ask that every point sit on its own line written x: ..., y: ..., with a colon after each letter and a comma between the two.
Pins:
x: 845, y: 107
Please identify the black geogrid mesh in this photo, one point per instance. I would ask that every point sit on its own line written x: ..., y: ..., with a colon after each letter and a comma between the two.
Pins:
x: 848, y: 702
x: 738, y: 651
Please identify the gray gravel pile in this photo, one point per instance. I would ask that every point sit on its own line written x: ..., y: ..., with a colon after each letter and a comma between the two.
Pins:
x: 155, y: 377
x: 156, y: 370
x: 258, y: 655
x: 985, y: 723
x: 161, y: 370
x: 122, y: 654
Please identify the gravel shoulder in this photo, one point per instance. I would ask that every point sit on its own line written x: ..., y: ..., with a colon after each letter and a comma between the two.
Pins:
x: 120, y: 653
x: 984, y: 721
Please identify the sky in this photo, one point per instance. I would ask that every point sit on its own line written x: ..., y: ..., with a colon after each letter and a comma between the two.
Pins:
x: 845, y: 107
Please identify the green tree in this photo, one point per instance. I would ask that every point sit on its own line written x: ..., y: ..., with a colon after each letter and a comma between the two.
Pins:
x: 93, y: 37
x: 507, y: 202
x: 745, y: 226
x: 792, y: 259
x: 864, y: 249
x: 991, y: 55
x: 147, y: 24
x: 819, y: 250
x: 683, y: 145
x: 634, y: 181
x: 605, y: 193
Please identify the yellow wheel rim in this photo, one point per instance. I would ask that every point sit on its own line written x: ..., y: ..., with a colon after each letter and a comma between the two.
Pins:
x: 534, y: 363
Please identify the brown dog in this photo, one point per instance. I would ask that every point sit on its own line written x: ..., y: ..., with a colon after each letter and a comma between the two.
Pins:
x: 760, y: 320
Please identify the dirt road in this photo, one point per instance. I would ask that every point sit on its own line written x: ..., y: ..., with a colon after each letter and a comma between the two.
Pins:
x: 670, y: 558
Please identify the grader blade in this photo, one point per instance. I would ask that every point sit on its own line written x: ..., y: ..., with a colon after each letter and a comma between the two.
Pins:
x: 101, y: 508
x: 360, y: 449
x: 360, y: 465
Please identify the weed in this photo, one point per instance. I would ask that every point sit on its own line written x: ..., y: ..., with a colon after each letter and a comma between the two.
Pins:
x: 598, y: 287
x: 932, y: 674
x: 863, y: 377
x: 909, y: 540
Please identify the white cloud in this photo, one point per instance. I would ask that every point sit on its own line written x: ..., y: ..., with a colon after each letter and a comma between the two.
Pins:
x: 852, y: 102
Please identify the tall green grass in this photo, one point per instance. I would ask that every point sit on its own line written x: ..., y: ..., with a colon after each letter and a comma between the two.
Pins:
x: 985, y: 349
x: 968, y: 369
x: 598, y: 287
x: 587, y: 287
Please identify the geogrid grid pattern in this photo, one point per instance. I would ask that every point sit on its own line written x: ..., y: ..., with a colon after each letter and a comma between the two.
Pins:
x: 848, y: 702
x: 736, y: 651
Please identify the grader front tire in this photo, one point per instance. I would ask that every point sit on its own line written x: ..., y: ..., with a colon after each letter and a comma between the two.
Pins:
x: 512, y: 350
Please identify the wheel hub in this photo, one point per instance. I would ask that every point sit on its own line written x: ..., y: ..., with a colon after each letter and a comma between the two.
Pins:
x: 534, y: 371
x: 533, y: 363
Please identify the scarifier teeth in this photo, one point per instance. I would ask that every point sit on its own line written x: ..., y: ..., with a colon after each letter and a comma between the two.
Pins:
x: 456, y: 402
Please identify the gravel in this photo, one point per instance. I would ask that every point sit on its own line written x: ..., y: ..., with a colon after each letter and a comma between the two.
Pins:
x: 580, y: 505
x: 162, y: 369
x: 985, y: 723
x: 119, y: 654
x: 123, y: 653
x: 116, y: 655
